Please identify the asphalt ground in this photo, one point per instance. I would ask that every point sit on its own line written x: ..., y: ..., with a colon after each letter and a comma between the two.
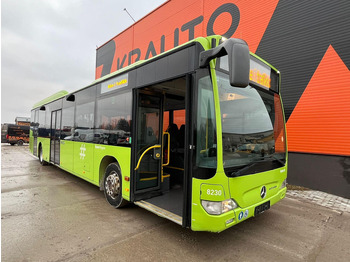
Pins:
x: 50, y: 215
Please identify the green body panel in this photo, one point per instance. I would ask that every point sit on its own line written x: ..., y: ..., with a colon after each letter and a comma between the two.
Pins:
x: 66, y: 155
x: 45, y: 145
x: 244, y: 190
x: 31, y: 141
x: 84, y: 160
x: 83, y: 155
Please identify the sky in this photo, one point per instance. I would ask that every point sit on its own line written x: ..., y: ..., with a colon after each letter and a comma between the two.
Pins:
x: 50, y: 45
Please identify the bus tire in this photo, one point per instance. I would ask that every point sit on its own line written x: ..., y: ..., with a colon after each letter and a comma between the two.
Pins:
x: 41, y: 157
x: 20, y: 142
x: 112, y: 186
x: 12, y: 144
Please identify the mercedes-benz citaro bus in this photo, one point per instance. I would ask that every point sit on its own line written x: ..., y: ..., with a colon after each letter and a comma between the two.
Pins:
x: 195, y: 135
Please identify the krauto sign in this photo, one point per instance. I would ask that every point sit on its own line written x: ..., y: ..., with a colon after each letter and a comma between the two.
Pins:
x: 178, y: 21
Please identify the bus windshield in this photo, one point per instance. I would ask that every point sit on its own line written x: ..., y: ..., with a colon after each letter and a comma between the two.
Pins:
x: 252, y: 125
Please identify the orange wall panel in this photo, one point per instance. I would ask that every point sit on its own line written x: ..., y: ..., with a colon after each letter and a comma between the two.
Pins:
x: 124, y: 45
x: 320, y: 122
x: 178, y: 21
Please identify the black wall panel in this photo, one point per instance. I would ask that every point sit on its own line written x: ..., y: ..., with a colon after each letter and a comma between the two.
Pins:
x: 325, y: 173
x: 297, y: 38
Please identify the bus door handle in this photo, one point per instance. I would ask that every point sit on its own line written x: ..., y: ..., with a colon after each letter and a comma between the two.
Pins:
x: 144, y: 152
x: 157, y: 153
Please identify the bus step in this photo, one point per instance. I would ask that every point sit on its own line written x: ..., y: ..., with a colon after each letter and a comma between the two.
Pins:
x: 159, y: 211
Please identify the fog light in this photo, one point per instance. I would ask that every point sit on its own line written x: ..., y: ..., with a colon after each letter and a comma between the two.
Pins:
x: 218, y: 208
x: 229, y: 221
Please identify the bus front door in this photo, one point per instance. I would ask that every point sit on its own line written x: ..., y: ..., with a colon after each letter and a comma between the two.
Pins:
x: 160, y: 146
x: 148, y: 149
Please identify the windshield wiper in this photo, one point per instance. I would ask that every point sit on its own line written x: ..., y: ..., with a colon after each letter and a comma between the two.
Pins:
x: 274, y: 158
x: 262, y: 159
x: 240, y: 171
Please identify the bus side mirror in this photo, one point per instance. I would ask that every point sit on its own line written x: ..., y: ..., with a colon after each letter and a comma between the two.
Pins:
x: 238, y: 60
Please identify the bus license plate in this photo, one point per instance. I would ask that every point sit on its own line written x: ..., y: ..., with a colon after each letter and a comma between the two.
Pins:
x: 262, y: 208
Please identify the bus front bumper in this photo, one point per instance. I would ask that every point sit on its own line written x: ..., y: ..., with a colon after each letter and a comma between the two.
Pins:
x: 202, y: 221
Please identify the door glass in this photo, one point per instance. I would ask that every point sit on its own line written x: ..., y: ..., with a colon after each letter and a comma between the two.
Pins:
x: 57, y: 137
x: 148, y: 136
x: 52, y: 143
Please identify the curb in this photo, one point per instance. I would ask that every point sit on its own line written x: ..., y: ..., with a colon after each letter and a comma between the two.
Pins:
x: 321, y: 198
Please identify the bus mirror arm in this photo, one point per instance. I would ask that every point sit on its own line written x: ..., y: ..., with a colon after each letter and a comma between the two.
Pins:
x: 238, y: 60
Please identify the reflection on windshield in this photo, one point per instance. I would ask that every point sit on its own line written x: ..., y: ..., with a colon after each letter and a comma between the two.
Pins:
x: 206, y: 127
x: 252, y: 124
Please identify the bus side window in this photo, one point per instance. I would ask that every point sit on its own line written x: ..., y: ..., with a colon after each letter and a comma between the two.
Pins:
x: 67, y: 123
x: 84, y: 122
x: 113, y: 123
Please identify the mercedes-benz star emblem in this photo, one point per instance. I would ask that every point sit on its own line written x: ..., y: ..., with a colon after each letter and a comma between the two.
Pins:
x: 263, y: 192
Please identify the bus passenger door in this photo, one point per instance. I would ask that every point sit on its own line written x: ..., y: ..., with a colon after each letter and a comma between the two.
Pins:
x: 55, y: 137
x: 148, y: 150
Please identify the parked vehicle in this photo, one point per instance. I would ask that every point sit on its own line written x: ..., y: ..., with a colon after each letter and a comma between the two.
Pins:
x: 16, y: 134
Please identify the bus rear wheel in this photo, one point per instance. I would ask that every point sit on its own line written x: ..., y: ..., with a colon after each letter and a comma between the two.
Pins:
x: 112, y: 185
x: 20, y: 142
x: 41, y: 157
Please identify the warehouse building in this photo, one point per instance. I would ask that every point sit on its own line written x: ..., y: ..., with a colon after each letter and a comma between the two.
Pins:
x: 308, y: 41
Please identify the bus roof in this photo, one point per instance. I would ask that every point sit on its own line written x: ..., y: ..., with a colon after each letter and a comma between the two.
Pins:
x: 204, y: 41
x: 51, y: 98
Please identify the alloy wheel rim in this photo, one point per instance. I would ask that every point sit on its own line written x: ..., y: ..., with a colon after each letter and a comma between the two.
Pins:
x: 112, y: 185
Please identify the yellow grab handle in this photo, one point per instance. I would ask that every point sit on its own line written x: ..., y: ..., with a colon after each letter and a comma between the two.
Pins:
x: 151, y: 147
x: 168, y: 156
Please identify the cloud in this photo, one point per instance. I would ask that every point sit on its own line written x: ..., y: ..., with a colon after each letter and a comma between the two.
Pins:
x: 48, y: 46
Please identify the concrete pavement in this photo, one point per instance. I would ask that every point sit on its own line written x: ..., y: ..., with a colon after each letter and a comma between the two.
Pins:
x: 50, y: 215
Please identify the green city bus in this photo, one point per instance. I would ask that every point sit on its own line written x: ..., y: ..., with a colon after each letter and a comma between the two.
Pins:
x: 195, y: 135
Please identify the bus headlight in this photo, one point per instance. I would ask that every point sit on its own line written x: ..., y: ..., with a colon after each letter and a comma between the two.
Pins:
x: 284, y: 184
x: 218, y: 208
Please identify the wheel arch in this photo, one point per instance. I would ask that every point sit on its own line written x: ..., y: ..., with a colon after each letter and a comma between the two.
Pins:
x: 40, y: 147
x: 106, y: 160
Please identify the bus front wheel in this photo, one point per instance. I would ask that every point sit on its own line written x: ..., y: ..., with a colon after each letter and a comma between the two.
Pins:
x: 112, y: 185
x: 20, y: 142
